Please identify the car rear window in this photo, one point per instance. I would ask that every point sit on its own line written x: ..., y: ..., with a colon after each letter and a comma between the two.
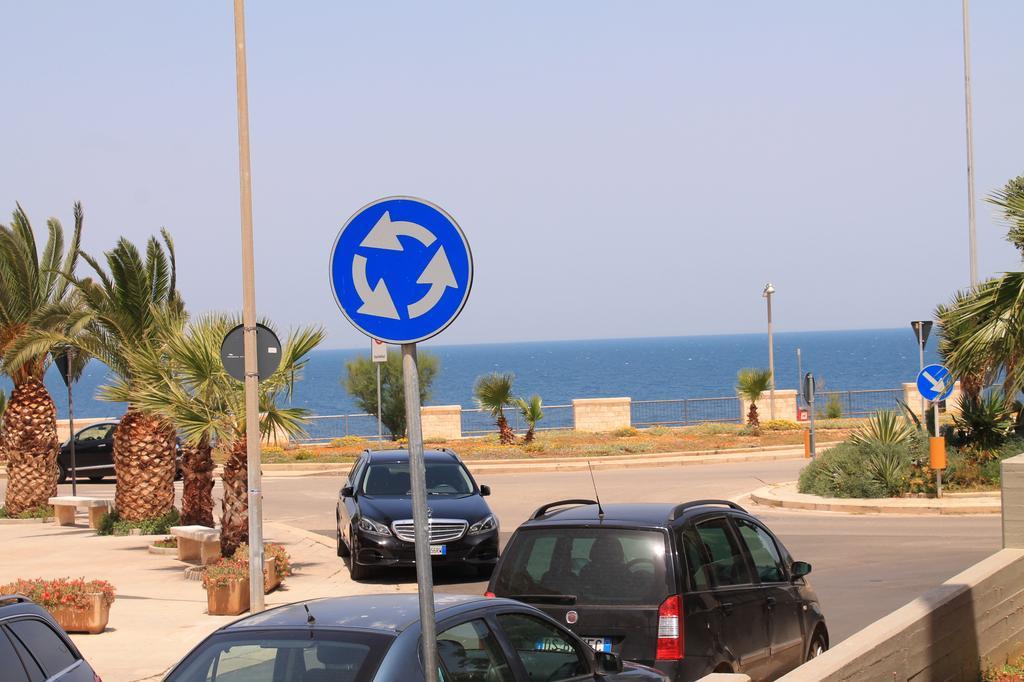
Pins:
x: 588, y: 565
x: 287, y: 656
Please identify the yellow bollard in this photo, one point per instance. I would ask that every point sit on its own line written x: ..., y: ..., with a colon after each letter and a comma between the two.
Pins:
x: 807, y: 444
x: 937, y: 452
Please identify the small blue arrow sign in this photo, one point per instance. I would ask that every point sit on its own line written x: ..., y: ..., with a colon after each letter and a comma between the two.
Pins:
x: 401, y: 270
x: 935, y: 382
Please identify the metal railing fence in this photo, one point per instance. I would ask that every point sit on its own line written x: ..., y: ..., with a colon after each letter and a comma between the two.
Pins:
x: 862, y: 403
x: 477, y: 421
x: 684, y: 412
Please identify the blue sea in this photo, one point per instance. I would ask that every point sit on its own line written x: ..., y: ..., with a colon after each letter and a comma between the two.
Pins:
x: 643, y: 369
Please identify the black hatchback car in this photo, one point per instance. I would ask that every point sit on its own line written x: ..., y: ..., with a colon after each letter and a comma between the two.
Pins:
x: 376, y: 638
x: 34, y: 647
x: 689, y: 589
x: 374, y: 514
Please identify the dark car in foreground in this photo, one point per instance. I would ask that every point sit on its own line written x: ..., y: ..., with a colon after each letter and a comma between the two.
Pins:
x: 689, y: 589
x: 374, y: 514
x: 376, y: 638
x: 94, y: 454
x: 33, y: 647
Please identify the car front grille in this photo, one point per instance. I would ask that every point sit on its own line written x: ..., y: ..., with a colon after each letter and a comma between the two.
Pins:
x: 441, y: 530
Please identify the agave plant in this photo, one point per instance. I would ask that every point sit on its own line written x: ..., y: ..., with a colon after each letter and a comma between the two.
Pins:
x: 885, y: 427
x: 984, y: 421
x: 888, y: 466
x: 751, y: 383
x: 30, y: 282
x: 493, y: 392
x: 532, y: 412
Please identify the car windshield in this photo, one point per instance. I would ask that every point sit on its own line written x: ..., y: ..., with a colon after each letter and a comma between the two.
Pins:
x: 392, y: 478
x: 586, y: 566
x: 288, y: 656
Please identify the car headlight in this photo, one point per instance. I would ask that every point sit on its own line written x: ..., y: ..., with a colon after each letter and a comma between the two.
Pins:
x: 483, y: 525
x: 370, y: 526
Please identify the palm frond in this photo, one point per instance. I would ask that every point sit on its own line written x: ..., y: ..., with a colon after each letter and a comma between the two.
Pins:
x: 752, y: 382
x: 493, y: 392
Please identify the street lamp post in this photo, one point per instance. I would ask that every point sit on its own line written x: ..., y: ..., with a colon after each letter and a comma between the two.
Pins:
x: 769, y: 289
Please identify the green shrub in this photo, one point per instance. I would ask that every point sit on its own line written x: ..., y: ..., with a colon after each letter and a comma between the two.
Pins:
x: 833, y: 408
x: 303, y: 455
x: 43, y: 511
x: 625, y: 432
x: 780, y: 425
x: 884, y: 428
x: 659, y: 431
x: 112, y: 524
x: 715, y: 429
x: 347, y: 442
x: 534, y: 447
x: 985, y: 421
x: 858, y: 470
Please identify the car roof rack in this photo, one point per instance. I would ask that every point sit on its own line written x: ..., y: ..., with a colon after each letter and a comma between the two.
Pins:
x: 541, y: 511
x: 8, y: 599
x: 680, y: 508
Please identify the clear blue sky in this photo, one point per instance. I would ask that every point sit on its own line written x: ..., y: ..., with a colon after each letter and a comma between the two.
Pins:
x: 620, y: 169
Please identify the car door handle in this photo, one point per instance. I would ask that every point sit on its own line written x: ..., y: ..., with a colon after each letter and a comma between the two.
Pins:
x: 727, y: 606
x: 102, y: 445
x: 771, y: 602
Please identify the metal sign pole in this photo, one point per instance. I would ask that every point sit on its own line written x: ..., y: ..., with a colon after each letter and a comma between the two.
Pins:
x: 71, y: 424
x: 809, y: 391
x: 252, y: 415
x: 920, y: 348
x: 799, y: 382
x: 380, y: 429
x: 417, y: 474
x: 938, y: 472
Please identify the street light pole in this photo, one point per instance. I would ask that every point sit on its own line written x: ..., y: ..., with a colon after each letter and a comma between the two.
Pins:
x: 968, y: 110
x: 767, y: 294
x: 252, y: 415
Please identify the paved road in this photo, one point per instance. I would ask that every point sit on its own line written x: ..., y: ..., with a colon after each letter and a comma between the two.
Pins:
x: 864, y: 566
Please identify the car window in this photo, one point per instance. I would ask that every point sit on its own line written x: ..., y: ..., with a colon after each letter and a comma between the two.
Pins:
x: 545, y: 651
x: 45, y: 645
x: 357, y: 469
x: 97, y: 432
x: 392, y: 478
x: 274, y: 657
x: 12, y: 668
x: 470, y: 652
x: 763, y: 551
x: 593, y: 565
x: 728, y: 566
x: 698, y: 565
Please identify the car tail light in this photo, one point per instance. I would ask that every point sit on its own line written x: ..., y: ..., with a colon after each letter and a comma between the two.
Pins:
x: 670, y: 629
x: 489, y: 594
x: 96, y: 678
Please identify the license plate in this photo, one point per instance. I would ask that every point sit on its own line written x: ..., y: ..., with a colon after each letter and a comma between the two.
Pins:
x: 599, y: 643
x: 438, y: 550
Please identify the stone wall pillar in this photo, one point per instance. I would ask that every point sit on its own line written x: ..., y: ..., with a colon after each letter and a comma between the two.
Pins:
x: 912, y: 398
x: 785, y: 405
x: 598, y: 415
x: 442, y: 421
x: 1012, y: 470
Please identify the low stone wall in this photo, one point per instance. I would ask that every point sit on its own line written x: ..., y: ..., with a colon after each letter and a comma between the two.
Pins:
x: 598, y: 415
x: 441, y: 421
x: 785, y: 405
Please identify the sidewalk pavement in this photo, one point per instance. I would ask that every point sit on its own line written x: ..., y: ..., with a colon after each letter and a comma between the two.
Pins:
x: 785, y: 495
x: 159, y: 615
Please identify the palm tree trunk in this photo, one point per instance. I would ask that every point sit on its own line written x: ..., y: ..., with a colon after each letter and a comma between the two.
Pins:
x: 752, y: 419
x: 528, y: 438
x: 144, y: 447
x: 197, y: 493
x: 234, y: 516
x: 506, y: 435
x: 30, y: 444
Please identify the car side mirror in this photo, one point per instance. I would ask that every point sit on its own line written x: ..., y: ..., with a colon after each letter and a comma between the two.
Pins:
x: 607, y: 662
x: 799, y: 569
x: 485, y: 490
x: 347, y: 491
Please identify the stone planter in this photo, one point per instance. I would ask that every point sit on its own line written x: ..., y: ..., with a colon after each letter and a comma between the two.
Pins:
x: 153, y: 549
x: 228, y: 600
x: 91, y: 620
x: 271, y: 581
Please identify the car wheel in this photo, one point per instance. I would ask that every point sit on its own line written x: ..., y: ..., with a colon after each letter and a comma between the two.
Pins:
x: 818, y: 646
x: 342, y: 547
x: 95, y: 479
x: 355, y: 570
x: 62, y: 473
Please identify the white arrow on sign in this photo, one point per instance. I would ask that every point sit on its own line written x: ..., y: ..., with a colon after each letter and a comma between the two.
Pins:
x: 384, y: 234
x: 438, y: 274
x: 938, y: 385
x: 376, y: 301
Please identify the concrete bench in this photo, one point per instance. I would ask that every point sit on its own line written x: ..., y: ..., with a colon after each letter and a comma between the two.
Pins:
x: 197, y: 542
x: 64, y: 508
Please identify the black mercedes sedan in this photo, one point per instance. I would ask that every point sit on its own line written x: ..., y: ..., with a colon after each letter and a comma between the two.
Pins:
x: 374, y: 514
x: 376, y: 638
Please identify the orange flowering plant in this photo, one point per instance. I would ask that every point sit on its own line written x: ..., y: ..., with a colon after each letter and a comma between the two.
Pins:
x: 75, y: 593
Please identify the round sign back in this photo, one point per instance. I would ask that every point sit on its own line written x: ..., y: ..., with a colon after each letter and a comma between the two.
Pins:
x: 401, y: 270
x: 268, y: 352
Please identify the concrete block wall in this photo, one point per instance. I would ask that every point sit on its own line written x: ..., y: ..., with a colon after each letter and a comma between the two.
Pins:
x: 597, y: 415
x: 785, y: 405
x: 441, y: 421
x: 1012, y: 477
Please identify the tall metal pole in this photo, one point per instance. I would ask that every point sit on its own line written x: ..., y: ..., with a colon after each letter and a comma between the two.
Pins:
x: 380, y: 429
x: 71, y: 423
x: 252, y: 415
x: 920, y: 348
x: 968, y: 107
x: 799, y: 379
x: 771, y: 355
x: 417, y: 474
x: 938, y: 472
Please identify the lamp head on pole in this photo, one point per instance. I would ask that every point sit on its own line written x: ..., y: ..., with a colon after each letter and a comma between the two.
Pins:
x: 769, y: 289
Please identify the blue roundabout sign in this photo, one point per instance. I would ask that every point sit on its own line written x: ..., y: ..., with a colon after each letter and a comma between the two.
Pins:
x: 401, y: 270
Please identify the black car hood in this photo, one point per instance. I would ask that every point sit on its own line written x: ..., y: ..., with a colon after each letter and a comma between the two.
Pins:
x: 386, y: 509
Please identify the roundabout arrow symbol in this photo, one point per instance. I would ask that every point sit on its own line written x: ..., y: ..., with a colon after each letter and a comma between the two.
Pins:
x: 376, y: 301
x: 384, y: 235
x: 438, y: 274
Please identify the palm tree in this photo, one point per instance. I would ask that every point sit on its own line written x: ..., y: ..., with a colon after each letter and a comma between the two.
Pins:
x: 751, y: 383
x: 954, y: 330
x: 493, y: 392
x: 532, y: 412
x: 187, y: 384
x: 112, y: 316
x: 29, y: 282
